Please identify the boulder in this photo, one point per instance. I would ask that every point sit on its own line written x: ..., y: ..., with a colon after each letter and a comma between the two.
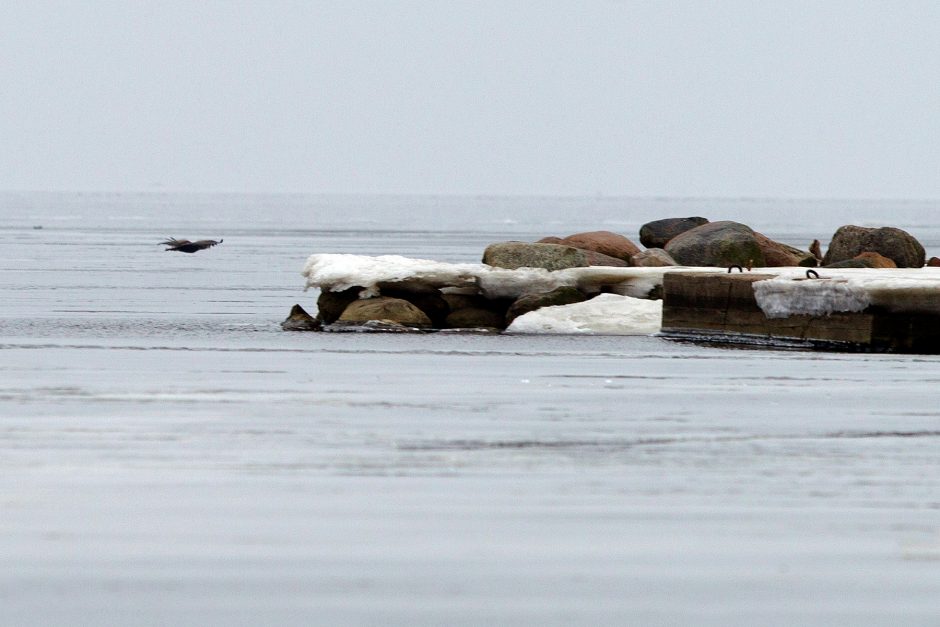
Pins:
x: 600, y: 259
x: 933, y: 262
x: 656, y: 234
x: 864, y: 260
x: 778, y: 255
x: 652, y: 258
x: 719, y: 244
x: 431, y: 302
x: 386, y: 309
x: 299, y: 320
x: 603, y: 242
x: 876, y: 261
x: 551, y: 239
x: 531, y: 302
x: 475, y: 318
x: 512, y: 255
x: 331, y: 305
x: 895, y: 244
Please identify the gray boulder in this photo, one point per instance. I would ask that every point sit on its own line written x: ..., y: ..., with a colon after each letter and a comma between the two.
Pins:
x: 719, y: 244
x: 652, y: 258
x: 656, y: 234
x: 531, y: 302
x: 899, y: 246
x: 512, y: 255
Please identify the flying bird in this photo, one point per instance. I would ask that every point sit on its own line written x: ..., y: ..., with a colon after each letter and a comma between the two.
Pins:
x: 186, y: 246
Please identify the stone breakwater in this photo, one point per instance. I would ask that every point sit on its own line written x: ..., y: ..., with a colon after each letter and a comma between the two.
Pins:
x: 393, y: 293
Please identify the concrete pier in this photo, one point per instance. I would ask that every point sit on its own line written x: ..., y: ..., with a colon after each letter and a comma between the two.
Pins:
x: 721, y: 308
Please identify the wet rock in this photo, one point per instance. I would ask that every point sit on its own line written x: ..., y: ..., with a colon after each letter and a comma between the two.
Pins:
x: 603, y: 242
x: 475, y: 318
x: 512, y: 255
x: 652, y: 258
x: 531, y: 302
x: 895, y: 244
x: 431, y: 302
x: 656, y: 234
x: 372, y: 326
x: 331, y: 305
x: 385, y: 309
x: 299, y: 320
x: 719, y: 244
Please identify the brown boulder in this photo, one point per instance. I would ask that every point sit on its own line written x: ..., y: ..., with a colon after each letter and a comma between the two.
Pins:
x: 600, y: 259
x: 431, y: 302
x: 876, y: 261
x: 386, y: 309
x: 864, y: 260
x: 603, y: 242
x: 778, y: 255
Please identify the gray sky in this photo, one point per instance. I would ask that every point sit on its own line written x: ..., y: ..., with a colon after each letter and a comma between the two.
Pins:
x: 726, y: 98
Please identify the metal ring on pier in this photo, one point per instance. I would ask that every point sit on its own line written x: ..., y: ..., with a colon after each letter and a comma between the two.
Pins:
x: 812, y: 274
x: 730, y: 268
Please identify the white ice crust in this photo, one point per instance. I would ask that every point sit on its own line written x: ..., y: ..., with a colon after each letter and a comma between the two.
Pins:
x: 606, y: 314
x: 337, y: 272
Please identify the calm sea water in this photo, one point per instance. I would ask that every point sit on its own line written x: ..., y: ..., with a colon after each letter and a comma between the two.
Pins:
x: 169, y: 456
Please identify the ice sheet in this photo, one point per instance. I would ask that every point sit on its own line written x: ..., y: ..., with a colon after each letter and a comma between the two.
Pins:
x: 607, y: 314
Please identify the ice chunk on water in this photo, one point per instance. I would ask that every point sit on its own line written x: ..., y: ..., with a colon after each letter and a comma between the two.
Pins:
x: 607, y: 314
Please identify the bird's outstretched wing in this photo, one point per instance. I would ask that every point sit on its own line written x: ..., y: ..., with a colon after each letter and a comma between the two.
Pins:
x: 172, y: 241
x: 186, y: 246
x: 206, y: 243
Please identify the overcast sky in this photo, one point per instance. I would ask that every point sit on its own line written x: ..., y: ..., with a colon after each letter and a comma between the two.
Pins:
x: 723, y: 98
